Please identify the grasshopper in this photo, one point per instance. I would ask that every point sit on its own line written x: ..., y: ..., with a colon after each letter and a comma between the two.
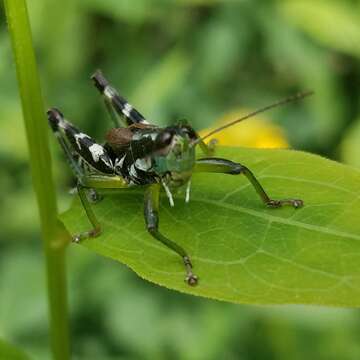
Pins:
x: 137, y: 153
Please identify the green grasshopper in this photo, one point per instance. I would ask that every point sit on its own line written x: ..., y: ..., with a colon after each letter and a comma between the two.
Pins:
x: 137, y: 153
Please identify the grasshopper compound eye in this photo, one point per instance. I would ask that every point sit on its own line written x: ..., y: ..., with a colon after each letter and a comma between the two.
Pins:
x: 164, y: 139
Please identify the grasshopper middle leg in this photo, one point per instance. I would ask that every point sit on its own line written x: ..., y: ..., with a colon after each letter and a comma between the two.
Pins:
x: 151, y: 212
x: 96, y: 230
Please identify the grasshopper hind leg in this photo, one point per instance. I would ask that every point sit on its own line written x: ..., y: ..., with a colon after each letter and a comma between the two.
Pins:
x: 93, y: 196
x: 91, y: 184
x: 122, y: 113
x: 96, y: 230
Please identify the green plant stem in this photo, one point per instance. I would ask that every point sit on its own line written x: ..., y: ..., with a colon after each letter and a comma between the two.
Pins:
x: 36, y: 129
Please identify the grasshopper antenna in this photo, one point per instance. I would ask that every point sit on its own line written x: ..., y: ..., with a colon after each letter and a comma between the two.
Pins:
x: 296, y: 97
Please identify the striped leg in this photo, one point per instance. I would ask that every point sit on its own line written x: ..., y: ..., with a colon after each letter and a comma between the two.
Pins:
x: 72, y: 157
x: 80, y: 150
x: 116, y: 104
x: 73, y: 141
x: 77, y: 164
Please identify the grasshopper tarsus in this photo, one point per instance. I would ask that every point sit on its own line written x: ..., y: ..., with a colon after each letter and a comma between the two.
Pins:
x: 296, y: 203
x: 86, y: 235
x: 191, y: 279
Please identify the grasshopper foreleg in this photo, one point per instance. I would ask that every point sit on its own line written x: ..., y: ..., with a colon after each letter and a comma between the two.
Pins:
x: 218, y: 165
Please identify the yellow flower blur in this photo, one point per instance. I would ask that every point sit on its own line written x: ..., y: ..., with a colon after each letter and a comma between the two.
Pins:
x: 254, y: 132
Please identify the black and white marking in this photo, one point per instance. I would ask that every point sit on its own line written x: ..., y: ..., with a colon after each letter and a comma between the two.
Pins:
x: 121, y: 106
x: 85, y: 155
x: 81, y: 144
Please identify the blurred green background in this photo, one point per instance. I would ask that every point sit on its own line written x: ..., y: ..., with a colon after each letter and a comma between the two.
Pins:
x: 194, y: 59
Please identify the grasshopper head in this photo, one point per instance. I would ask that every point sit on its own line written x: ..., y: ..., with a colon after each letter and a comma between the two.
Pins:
x: 174, y: 154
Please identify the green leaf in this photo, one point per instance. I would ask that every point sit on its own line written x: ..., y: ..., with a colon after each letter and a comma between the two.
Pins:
x: 242, y: 251
x: 350, y: 144
x: 10, y: 352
